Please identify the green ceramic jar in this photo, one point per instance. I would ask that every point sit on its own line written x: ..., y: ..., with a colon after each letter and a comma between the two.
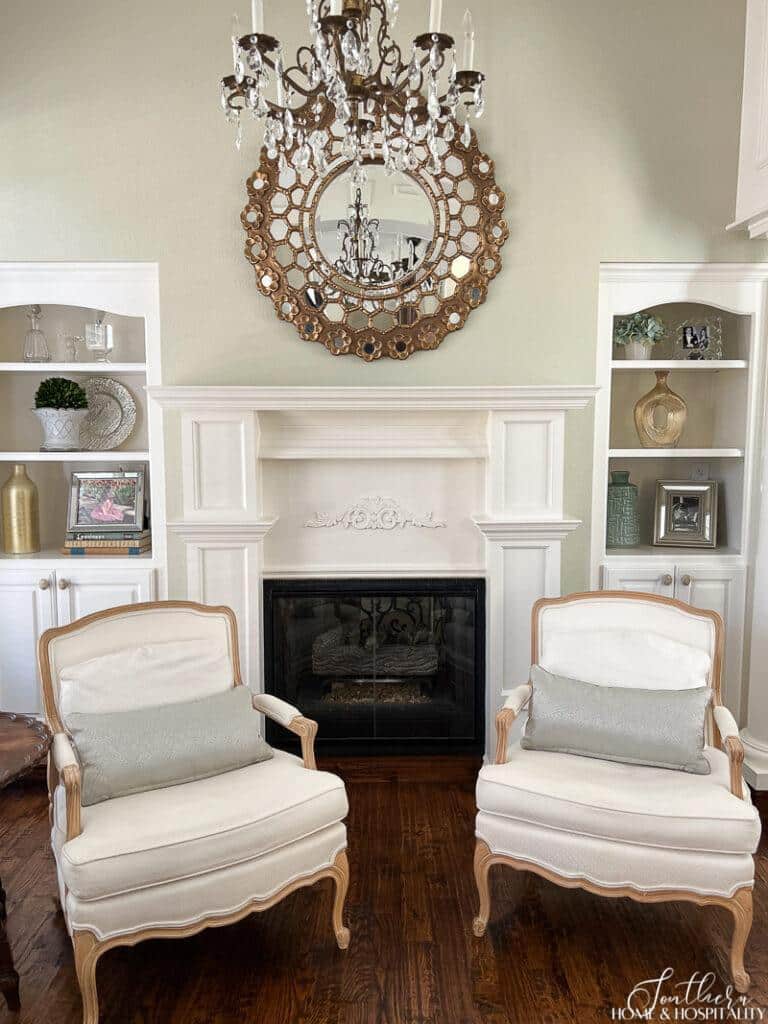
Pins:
x: 623, y: 523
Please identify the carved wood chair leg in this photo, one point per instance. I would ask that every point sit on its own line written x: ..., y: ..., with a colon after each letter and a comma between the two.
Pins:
x: 482, y: 867
x: 341, y: 881
x: 87, y: 952
x: 741, y: 908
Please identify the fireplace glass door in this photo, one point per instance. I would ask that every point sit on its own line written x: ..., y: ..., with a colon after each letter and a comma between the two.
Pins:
x: 397, y: 664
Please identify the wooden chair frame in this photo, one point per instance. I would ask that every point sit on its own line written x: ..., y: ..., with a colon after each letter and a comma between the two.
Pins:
x: 739, y: 905
x: 88, y: 948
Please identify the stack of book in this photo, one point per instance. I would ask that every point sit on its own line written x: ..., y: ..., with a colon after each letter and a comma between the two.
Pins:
x: 117, y: 543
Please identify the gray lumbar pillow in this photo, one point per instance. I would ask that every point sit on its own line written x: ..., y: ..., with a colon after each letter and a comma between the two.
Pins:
x: 124, y: 752
x: 662, y: 728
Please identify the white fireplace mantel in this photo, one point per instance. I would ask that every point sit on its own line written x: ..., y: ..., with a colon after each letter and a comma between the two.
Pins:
x: 290, y: 482
x: 495, y: 397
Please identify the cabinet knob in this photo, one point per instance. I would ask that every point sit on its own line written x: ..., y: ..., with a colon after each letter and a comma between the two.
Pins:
x: 63, y: 584
x: 667, y: 579
x: 686, y: 580
x: 44, y: 584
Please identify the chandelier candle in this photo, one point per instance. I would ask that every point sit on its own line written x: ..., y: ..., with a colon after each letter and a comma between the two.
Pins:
x: 469, y: 42
x: 257, y: 16
x: 435, y: 15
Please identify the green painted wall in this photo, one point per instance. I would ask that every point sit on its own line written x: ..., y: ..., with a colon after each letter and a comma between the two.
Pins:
x: 614, y: 126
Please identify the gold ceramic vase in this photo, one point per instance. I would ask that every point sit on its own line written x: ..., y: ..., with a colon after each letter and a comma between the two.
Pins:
x: 21, y: 515
x: 660, y: 415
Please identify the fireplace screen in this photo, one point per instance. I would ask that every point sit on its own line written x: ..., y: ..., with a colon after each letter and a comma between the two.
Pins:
x: 397, y: 662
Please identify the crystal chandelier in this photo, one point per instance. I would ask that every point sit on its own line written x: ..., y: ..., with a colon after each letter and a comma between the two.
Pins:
x: 351, y: 93
x: 358, y: 238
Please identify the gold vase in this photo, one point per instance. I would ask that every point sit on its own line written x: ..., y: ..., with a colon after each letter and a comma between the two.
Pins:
x: 660, y: 415
x: 21, y: 515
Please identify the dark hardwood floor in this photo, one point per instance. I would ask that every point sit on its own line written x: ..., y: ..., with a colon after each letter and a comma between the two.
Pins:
x: 551, y: 955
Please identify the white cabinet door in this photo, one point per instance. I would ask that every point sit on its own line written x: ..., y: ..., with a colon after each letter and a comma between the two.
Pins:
x: 641, y: 579
x: 81, y: 591
x: 720, y: 589
x: 27, y: 609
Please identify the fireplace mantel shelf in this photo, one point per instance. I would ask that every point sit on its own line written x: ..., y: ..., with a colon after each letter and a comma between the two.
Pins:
x: 416, y: 399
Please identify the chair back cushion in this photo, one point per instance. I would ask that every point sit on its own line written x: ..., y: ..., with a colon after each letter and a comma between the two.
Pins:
x: 663, y: 728
x: 135, y: 751
x: 142, y: 657
x: 616, y: 641
x: 150, y: 675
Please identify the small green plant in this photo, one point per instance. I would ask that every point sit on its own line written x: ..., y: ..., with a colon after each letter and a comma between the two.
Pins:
x: 60, y: 393
x: 639, y: 327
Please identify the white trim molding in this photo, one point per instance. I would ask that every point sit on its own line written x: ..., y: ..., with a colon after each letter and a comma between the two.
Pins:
x: 538, y: 529
x: 201, y: 533
x: 535, y: 397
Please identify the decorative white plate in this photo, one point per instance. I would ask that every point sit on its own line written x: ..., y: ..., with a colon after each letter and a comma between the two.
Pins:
x: 111, y: 414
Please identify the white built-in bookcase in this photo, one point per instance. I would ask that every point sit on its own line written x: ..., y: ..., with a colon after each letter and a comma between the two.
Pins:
x: 721, y: 440
x: 48, y: 588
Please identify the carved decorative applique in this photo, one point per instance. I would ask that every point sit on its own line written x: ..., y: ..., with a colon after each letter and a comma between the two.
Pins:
x: 374, y: 514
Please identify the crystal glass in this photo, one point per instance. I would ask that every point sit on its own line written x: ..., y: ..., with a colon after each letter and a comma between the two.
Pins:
x: 35, y: 345
x: 99, y: 339
x: 71, y: 347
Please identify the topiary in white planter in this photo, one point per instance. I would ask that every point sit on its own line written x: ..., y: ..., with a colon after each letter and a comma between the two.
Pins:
x: 637, y: 334
x: 61, y: 406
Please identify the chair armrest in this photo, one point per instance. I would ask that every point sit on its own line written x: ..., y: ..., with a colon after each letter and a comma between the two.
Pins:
x: 68, y: 768
x: 290, y: 718
x: 511, y: 708
x: 731, y: 741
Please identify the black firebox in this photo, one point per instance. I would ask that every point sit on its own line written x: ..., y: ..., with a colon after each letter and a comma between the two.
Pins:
x: 385, y: 666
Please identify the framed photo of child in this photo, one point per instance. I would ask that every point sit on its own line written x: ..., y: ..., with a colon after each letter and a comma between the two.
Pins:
x: 107, y: 502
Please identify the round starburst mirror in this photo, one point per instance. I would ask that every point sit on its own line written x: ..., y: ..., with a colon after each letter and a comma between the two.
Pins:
x: 381, y: 263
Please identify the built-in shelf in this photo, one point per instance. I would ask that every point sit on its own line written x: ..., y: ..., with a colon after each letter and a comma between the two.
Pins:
x: 679, y: 364
x: 110, y: 456
x: 48, y: 368
x: 54, y: 558
x: 677, y: 553
x: 676, y: 453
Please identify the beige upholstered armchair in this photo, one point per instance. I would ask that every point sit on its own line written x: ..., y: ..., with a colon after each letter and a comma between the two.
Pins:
x: 623, y: 829
x: 169, y: 862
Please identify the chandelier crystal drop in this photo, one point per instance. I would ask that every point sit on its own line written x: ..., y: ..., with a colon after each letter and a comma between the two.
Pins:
x: 352, y: 92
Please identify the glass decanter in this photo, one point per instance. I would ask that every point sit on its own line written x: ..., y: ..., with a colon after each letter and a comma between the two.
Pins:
x: 35, y: 344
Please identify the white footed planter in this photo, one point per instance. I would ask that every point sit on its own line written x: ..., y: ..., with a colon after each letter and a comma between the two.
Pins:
x: 61, y: 429
x: 638, y: 350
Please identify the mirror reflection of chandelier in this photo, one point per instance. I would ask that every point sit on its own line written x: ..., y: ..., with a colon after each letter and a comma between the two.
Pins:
x: 352, y: 93
x: 358, y: 238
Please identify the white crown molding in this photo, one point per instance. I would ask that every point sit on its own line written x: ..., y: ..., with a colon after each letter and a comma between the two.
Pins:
x: 100, y: 268
x: 529, y: 529
x: 374, y: 513
x: 212, y: 532
x: 420, y: 399
x: 756, y: 225
x: 623, y: 273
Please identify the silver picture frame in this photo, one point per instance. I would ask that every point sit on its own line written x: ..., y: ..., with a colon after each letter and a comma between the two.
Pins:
x: 106, y: 502
x: 699, y: 339
x: 685, y: 514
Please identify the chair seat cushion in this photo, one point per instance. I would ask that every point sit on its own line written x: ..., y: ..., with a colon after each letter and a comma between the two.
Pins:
x: 627, y: 803
x: 167, y: 834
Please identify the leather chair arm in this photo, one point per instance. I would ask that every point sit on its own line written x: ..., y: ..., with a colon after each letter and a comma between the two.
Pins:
x: 68, y: 768
x: 290, y: 718
x: 511, y: 708
x: 731, y: 741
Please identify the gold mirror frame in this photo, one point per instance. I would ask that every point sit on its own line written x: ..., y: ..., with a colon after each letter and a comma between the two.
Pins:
x: 395, y: 320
